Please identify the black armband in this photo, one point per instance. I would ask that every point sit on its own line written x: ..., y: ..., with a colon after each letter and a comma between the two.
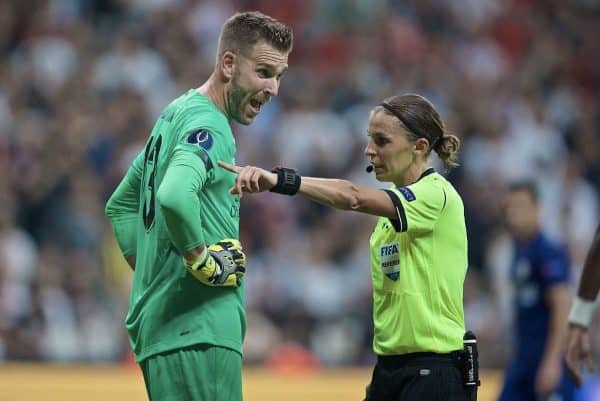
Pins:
x: 288, y: 181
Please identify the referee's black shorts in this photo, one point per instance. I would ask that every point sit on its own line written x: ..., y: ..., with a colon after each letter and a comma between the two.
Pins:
x: 421, y: 376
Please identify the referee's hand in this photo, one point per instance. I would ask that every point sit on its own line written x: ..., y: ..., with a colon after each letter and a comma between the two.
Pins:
x: 250, y: 179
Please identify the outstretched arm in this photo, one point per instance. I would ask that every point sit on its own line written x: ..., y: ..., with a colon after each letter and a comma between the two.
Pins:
x: 336, y: 193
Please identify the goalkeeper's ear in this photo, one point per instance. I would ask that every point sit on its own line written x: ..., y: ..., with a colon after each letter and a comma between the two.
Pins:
x: 226, y: 66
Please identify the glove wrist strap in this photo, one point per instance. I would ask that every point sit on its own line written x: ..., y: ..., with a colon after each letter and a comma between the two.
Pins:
x: 199, y: 261
x: 288, y: 181
x: 581, y: 312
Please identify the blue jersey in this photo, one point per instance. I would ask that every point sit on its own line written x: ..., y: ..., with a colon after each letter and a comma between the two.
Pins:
x: 538, y: 264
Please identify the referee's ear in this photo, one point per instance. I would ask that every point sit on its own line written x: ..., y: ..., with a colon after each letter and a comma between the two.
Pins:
x: 421, y: 147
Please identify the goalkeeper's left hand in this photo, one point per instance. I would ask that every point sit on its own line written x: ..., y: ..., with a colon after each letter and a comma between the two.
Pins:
x: 222, y: 264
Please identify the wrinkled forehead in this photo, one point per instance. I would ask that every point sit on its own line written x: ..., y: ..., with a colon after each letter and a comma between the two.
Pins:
x: 263, y: 53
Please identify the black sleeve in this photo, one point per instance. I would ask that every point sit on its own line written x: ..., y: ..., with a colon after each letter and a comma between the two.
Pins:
x: 400, y: 224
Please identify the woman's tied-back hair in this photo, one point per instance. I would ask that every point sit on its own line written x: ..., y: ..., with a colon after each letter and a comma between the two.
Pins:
x: 422, y: 120
x: 243, y: 30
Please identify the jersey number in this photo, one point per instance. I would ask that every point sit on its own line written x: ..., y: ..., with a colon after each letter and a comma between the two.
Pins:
x: 150, y: 160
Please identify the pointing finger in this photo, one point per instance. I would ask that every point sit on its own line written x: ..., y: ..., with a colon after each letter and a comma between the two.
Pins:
x: 229, y: 167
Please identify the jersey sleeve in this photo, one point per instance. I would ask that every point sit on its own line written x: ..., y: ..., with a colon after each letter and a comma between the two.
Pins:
x: 199, y: 149
x: 555, y: 267
x: 418, y: 206
x: 190, y: 169
x: 122, y: 207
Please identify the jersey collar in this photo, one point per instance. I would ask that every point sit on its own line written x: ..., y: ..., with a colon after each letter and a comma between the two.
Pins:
x: 427, y: 172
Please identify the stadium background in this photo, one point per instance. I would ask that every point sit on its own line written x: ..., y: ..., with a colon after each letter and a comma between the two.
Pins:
x: 81, y: 83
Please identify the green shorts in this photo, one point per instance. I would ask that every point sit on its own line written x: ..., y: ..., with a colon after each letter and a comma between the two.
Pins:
x: 198, y: 373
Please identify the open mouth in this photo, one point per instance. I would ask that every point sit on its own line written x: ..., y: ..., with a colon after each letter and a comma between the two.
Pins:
x: 256, y: 105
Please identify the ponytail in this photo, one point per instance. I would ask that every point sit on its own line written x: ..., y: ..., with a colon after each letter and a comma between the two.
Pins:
x: 447, y: 149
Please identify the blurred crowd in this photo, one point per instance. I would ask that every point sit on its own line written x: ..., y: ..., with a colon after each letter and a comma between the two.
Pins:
x: 82, y: 81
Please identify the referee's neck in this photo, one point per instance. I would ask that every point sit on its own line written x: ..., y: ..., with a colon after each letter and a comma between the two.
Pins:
x: 411, y: 174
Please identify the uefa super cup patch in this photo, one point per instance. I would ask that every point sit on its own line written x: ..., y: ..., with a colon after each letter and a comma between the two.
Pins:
x: 202, y: 138
x: 389, y: 255
x: 407, y: 193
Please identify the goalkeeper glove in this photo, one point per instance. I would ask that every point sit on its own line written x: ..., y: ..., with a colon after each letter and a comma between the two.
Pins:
x: 222, y: 264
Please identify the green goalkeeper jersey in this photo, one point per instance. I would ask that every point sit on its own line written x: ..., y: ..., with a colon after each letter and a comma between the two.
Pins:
x: 173, y: 199
x: 418, y: 267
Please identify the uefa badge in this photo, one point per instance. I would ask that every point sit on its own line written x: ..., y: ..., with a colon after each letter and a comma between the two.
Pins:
x: 202, y: 138
x: 390, y: 260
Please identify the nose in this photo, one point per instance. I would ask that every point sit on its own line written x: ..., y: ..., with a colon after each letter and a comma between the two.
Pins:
x: 369, y: 151
x: 272, y: 87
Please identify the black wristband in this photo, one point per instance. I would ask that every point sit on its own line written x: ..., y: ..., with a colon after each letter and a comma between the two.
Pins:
x: 288, y: 181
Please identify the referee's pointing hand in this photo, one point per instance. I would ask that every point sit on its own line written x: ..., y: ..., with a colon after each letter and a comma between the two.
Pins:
x: 250, y: 179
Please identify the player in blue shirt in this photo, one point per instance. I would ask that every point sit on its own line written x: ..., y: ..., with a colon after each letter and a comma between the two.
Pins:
x: 540, y: 273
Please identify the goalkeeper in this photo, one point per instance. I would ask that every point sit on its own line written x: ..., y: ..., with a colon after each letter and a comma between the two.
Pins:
x: 178, y: 226
x: 418, y: 251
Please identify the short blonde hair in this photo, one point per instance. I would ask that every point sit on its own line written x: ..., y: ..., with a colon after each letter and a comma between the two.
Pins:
x: 243, y: 30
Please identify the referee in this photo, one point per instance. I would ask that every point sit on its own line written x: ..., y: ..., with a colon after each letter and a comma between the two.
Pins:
x: 418, y: 248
